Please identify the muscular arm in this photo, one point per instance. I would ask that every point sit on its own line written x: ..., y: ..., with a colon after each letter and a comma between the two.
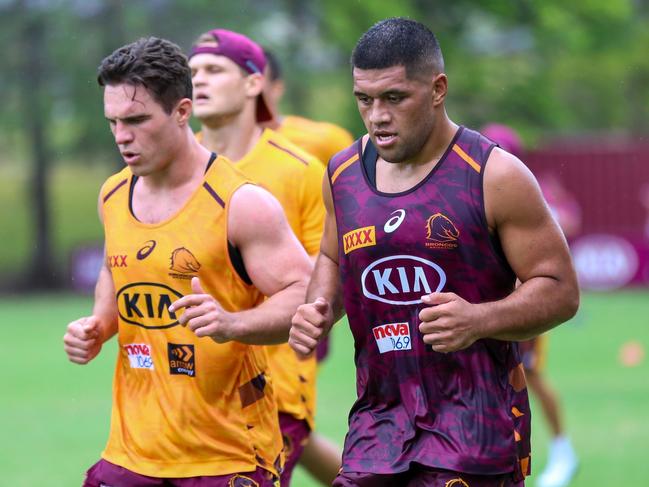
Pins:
x: 536, y: 250
x: 275, y: 261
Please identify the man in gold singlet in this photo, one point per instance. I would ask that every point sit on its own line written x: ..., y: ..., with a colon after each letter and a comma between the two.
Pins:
x: 201, y: 266
x: 228, y: 77
x: 321, y: 457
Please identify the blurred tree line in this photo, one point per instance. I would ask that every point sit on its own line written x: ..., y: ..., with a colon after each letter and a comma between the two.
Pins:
x: 542, y: 67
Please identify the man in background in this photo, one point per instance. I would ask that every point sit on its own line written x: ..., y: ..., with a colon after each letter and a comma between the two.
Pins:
x: 321, y: 139
x: 228, y: 79
x: 321, y: 457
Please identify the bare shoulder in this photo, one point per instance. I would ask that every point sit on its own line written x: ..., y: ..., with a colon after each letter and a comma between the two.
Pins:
x: 505, y: 168
x: 510, y: 189
x: 253, y: 209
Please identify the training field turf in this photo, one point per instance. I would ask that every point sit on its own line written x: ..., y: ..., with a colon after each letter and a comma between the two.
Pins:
x: 54, y: 415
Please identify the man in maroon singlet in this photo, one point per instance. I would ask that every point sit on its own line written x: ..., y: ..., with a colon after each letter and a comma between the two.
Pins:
x: 428, y: 227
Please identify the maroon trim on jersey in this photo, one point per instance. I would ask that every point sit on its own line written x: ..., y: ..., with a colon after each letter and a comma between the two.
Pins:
x: 275, y: 144
x: 213, y: 194
x: 112, y: 191
x: 420, y: 183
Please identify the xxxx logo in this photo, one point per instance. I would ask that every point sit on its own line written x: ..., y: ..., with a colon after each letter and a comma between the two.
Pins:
x: 359, y: 238
x: 116, y: 261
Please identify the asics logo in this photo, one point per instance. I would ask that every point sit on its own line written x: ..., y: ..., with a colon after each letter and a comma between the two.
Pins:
x: 393, y: 223
x: 146, y: 249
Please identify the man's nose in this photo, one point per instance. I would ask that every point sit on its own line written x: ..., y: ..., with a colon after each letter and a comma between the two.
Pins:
x: 123, y: 134
x: 379, y: 114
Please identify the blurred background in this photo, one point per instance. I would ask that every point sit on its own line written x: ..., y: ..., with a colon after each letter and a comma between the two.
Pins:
x: 569, y: 80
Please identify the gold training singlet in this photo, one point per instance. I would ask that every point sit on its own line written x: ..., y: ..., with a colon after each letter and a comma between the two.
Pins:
x: 322, y: 139
x: 295, y: 179
x: 183, y: 406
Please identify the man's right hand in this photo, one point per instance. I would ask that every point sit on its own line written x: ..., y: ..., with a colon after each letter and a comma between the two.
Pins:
x: 82, y: 340
x: 310, y: 324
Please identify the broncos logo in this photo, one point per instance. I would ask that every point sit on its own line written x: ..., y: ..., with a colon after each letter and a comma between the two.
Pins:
x: 183, y: 261
x: 441, y: 229
x: 241, y: 481
x: 456, y: 483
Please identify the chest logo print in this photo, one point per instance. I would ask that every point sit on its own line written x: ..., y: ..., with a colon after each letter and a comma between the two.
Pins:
x: 361, y: 237
x: 392, y: 337
x: 146, y: 249
x: 393, y: 223
x: 401, y: 279
x: 183, y: 262
x: 441, y: 232
x: 456, y: 483
x: 116, y: 261
x: 181, y: 359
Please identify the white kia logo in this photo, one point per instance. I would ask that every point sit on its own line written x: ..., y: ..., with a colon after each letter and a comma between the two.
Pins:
x: 401, y: 279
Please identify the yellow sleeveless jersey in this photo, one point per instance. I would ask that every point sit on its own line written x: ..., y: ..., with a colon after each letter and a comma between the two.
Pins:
x: 183, y: 406
x: 322, y: 139
x: 295, y: 179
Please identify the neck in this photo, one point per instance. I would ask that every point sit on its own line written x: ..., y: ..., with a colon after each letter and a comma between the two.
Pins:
x: 186, y: 164
x: 439, y: 140
x: 275, y: 122
x: 232, y: 139
x: 398, y: 177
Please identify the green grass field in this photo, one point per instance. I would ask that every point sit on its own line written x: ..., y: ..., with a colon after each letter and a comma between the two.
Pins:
x: 55, y: 415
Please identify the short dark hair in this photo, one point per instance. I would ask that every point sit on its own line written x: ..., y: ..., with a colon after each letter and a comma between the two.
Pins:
x: 399, y: 41
x: 157, y: 64
x: 273, y: 68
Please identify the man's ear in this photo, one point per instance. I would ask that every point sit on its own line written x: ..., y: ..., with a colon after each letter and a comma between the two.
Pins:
x: 440, y: 88
x: 183, y: 111
x: 254, y: 84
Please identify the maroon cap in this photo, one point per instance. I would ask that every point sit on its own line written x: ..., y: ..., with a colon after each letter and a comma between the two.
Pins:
x: 243, y: 51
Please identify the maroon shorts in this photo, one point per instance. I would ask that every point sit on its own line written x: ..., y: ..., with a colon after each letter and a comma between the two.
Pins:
x: 295, y: 433
x: 322, y: 349
x: 419, y: 476
x: 106, y: 474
